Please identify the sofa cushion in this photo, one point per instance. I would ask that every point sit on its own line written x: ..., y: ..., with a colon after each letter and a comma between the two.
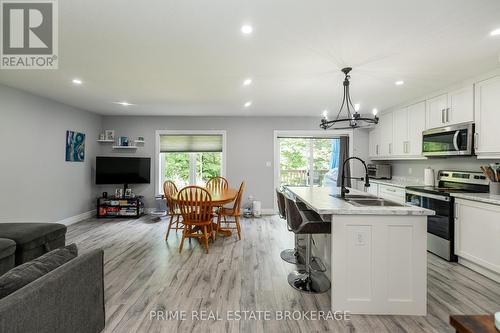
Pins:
x: 7, y: 247
x: 31, y: 235
x: 28, y: 272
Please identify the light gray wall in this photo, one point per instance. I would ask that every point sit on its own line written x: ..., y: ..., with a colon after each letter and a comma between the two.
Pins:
x: 37, y: 184
x: 250, y: 144
x: 402, y: 168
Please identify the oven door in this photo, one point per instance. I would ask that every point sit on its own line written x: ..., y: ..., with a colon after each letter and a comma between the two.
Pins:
x: 446, y: 141
x: 440, y: 227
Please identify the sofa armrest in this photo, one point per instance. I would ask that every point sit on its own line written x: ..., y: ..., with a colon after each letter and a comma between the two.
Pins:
x: 67, y: 299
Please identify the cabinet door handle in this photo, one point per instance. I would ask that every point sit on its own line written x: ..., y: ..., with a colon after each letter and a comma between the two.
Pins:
x: 390, y: 148
x: 442, y: 116
x: 476, y: 140
x: 376, y: 149
x: 447, y: 115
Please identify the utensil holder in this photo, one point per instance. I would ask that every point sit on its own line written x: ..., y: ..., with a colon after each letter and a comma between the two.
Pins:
x: 495, y: 188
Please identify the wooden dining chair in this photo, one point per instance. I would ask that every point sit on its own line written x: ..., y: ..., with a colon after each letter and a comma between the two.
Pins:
x: 169, y: 189
x: 234, y: 212
x: 195, y: 205
x: 218, y: 184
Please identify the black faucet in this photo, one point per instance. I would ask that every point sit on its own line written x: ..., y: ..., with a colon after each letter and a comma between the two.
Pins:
x: 343, y: 189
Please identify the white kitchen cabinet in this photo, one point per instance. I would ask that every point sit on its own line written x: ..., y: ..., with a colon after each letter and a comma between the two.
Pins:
x: 374, y: 142
x: 460, y: 106
x: 386, y: 131
x: 454, y: 107
x: 416, y: 125
x: 400, y: 132
x: 393, y: 193
x: 487, y: 116
x: 435, y: 113
x: 477, y: 231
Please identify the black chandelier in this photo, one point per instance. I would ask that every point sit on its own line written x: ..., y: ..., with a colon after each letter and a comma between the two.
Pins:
x: 354, y: 119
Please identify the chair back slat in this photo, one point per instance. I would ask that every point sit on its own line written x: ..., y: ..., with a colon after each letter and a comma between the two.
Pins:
x: 237, y: 201
x: 195, y: 205
x: 281, y: 203
x: 169, y: 189
x: 217, y: 184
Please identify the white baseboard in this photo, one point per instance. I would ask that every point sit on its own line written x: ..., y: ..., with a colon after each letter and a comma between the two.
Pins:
x: 479, y: 269
x: 77, y: 218
x: 268, y: 211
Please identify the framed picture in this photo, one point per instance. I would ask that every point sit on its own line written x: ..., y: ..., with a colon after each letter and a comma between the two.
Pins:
x: 75, y: 146
x: 128, y: 193
x: 109, y: 134
x: 118, y: 192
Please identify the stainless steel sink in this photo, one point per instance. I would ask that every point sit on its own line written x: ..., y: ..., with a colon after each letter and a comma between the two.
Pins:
x: 374, y: 202
x: 354, y: 196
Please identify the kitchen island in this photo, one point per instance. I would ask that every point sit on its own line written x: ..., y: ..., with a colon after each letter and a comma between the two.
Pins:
x: 376, y: 255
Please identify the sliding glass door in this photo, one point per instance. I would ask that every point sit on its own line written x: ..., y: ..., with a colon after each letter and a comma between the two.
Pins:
x: 308, y: 161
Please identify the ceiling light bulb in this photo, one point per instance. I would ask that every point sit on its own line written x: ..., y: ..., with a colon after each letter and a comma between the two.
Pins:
x: 248, y: 104
x: 247, y: 82
x: 124, y: 103
x: 495, y: 32
x: 374, y: 111
x: 246, y: 29
x: 77, y: 81
x: 357, y: 107
x: 399, y: 83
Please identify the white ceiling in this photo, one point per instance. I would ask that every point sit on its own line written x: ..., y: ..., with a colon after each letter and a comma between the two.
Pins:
x: 188, y: 57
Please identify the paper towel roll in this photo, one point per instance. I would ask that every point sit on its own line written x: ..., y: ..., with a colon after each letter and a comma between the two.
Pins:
x: 429, y: 177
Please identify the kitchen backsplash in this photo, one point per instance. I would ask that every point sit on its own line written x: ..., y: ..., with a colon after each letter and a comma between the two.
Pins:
x: 415, y: 169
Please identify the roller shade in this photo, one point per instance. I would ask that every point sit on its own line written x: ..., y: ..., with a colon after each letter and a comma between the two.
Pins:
x: 190, y: 143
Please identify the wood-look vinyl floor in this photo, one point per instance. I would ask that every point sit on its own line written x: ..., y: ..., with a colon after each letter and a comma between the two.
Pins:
x: 143, y: 273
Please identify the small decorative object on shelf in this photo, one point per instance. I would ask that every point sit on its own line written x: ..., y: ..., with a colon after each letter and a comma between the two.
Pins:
x: 123, y: 141
x: 128, y: 193
x: 119, y: 193
x: 110, y: 135
x: 116, y: 207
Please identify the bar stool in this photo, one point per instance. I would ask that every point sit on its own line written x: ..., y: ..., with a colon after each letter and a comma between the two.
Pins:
x: 310, y: 280
x: 292, y: 256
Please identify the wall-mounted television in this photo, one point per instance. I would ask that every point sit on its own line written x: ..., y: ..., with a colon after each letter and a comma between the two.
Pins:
x: 123, y: 170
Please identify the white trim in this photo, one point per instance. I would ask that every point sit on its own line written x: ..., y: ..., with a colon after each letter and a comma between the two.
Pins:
x: 158, y: 133
x: 268, y: 211
x: 304, y: 133
x: 67, y: 221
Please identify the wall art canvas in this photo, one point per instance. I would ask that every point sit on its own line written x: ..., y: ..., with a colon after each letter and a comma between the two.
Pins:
x: 75, y: 146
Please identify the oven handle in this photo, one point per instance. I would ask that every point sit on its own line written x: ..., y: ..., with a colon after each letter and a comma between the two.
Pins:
x: 455, y: 140
x: 428, y: 195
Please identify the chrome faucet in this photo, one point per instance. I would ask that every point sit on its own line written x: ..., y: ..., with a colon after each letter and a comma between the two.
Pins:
x: 343, y: 189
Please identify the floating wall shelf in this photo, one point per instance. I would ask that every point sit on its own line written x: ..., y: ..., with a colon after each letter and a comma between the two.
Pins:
x: 124, y: 147
x: 106, y: 141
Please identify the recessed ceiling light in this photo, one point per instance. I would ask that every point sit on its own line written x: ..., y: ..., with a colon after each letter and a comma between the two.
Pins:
x: 123, y: 103
x: 77, y: 81
x: 374, y: 111
x: 247, y: 82
x: 246, y: 29
x: 399, y: 83
x: 357, y: 106
x: 495, y: 32
x: 248, y: 104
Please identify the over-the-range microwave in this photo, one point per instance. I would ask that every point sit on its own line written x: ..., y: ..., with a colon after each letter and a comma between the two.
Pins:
x: 455, y: 140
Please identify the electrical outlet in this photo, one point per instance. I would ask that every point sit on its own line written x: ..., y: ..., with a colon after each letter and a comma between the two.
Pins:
x: 268, y: 164
x: 359, y: 238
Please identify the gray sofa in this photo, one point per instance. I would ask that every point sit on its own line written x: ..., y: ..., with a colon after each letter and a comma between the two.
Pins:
x: 68, y: 299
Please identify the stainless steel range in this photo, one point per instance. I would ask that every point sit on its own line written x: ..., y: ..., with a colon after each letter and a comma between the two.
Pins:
x: 441, y: 227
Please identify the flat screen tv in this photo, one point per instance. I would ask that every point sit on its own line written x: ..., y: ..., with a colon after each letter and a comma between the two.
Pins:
x: 123, y: 170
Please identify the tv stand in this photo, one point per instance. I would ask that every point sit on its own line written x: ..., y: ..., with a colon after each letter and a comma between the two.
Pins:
x: 113, y: 207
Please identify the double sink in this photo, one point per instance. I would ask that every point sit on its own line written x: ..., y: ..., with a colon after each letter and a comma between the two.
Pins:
x: 361, y: 200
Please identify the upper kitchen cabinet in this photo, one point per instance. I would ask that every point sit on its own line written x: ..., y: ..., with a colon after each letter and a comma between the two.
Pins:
x: 487, y: 115
x: 451, y: 108
x: 416, y: 125
x: 386, y: 131
x: 374, y: 142
x: 400, y: 130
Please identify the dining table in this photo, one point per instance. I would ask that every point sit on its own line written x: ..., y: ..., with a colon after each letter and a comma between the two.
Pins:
x: 219, y: 198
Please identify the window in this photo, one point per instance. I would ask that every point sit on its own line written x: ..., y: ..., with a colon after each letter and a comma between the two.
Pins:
x: 190, y: 159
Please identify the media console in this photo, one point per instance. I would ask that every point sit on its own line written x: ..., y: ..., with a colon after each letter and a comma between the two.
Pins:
x: 113, y: 207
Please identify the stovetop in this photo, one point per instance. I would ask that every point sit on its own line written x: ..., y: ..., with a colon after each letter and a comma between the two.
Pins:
x: 444, y: 190
x: 456, y: 182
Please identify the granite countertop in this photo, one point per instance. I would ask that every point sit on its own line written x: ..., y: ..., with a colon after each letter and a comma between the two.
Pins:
x: 398, y: 182
x: 320, y: 199
x: 480, y: 197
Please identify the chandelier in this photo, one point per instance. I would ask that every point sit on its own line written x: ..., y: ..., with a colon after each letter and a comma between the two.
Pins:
x: 354, y: 120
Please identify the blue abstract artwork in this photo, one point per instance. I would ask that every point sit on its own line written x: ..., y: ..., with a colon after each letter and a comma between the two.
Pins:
x: 75, y: 146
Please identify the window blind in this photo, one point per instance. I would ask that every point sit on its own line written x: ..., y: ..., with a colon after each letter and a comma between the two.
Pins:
x: 190, y: 143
